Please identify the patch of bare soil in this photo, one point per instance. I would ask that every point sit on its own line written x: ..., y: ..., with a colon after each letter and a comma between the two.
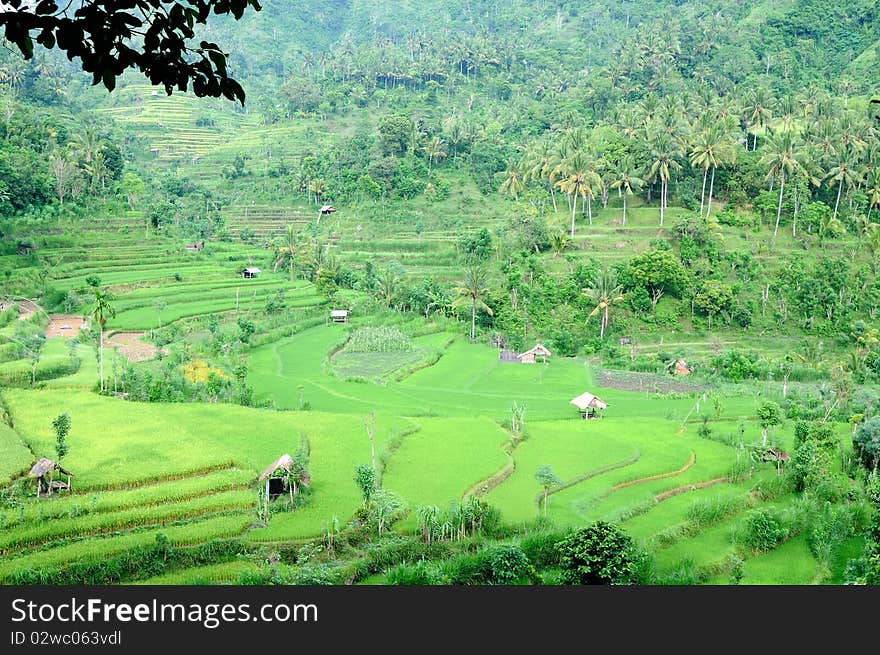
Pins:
x: 64, y: 325
x: 130, y: 345
x: 26, y: 309
x: 644, y: 382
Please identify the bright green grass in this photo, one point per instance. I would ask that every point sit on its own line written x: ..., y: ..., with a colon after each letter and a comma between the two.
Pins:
x: 30, y: 535
x: 789, y: 564
x: 372, y: 365
x: 15, y: 457
x: 94, y: 549
x: 568, y: 448
x: 225, y: 572
x: 662, y: 450
x: 107, y: 450
x: 377, y: 366
x: 708, y: 547
x: 437, y: 464
x: 673, y: 511
x: 334, y: 455
x: 467, y: 380
x: 54, y: 351
x: 87, y: 374
x: 148, y: 317
x: 63, y: 505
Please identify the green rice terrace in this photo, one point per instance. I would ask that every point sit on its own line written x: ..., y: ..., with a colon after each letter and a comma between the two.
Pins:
x: 436, y: 306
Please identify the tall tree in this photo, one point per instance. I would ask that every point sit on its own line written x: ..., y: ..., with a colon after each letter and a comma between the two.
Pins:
x: 780, y: 160
x: 435, y: 148
x: 626, y: 181
x: 663, y: 152
x: 844, y: 173
x: 286, y: 249
x: 102, y: 310
x: 513, y: 183
x: 605, y: 293
x: 473, y: 289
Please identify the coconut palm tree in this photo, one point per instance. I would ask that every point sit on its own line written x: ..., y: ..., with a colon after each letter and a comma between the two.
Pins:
x: 101, y: 311
x: 713, y: 148
x: 539, y: 164
x: 663, y: 162
x: 606, y: 293
x: 780, y: 159
x: 559, y: 242
x: 872, y: 183
x: 626, y: 181
x: 473, y: 289
x: 435, y: 149
x: 844, y: 174
x: 512, y: 184
x: 758, y: 113
x: 286, y: 250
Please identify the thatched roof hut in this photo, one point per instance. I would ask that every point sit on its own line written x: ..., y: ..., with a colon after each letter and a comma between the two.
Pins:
x: 285, y: 463
x: 589, y: 405
x: 278, y: 477
x: 44, y: 471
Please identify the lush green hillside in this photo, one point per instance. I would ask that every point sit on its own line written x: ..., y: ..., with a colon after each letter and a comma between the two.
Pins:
x: 679, y: 200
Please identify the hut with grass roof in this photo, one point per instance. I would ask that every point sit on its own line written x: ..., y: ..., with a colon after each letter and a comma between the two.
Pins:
x: 529, y: 356
x: 589, y: 405
x: 282, y: 476
x: 44, y: 471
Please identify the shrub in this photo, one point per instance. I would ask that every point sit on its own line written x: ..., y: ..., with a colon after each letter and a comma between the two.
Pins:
x: 600, y: 553
x: 763, y: 530
x: 541, y: 550
x: 508, y: 564
x: 710, y: 511
x: 419, y: 574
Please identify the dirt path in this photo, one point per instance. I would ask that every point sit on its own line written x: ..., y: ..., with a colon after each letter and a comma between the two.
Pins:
x: 669, y: 493
x: 660, y: 476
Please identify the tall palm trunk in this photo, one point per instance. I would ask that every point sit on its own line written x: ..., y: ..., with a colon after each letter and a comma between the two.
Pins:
x: 836, y: 204
x: 101, y: 353
x: 624, y: 209
x: 662, y: 200
x: 711, y: 190
x: 589, y: 208
x: 473, y: 319
x: 779, y: 206
x: 573, y: 209
x: 703, y: 192
x: 553, y: 198
x: 604, y: 322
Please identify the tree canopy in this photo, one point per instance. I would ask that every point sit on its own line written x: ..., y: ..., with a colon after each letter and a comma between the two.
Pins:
x: 152, y: 36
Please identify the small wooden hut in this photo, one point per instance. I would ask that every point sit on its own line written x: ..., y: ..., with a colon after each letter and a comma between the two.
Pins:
x: 44, y: 472
x: 250, y: 272
x: 529, y: 356
x: 195, y: 247
x: 327, y: 209
x: 339, y: 315
x: 279, y: 478
x: 680, y: 367
x: 589, y: 405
